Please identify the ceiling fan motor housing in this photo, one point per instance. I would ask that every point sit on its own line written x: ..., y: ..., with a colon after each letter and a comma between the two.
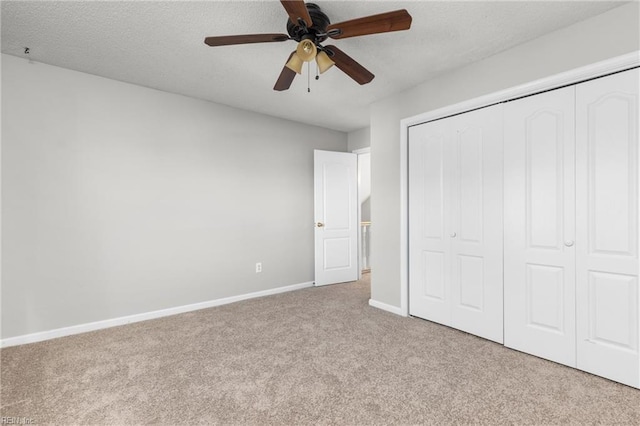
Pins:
x: 320, y: 24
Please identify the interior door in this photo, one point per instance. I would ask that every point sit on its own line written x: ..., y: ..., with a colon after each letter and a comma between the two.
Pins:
x: 429, y: 217
x: 477, y: 226
x: 607, y: 221
x: 336, y: 217
x: 539, y: 252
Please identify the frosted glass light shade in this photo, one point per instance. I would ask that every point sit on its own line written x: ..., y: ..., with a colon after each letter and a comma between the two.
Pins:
x: 306, y: 50
x: 295, y: 63
x: 324, y: 62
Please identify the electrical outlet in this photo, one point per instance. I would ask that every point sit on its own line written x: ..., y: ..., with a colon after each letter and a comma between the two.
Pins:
x: 258, y: 267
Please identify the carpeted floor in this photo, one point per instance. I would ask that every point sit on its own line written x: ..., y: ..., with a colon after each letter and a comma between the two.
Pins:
x: 314, y: 356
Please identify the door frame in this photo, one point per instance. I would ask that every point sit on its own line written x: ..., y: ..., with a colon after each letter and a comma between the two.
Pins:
x: 359, y: 152
x: 588, y: 72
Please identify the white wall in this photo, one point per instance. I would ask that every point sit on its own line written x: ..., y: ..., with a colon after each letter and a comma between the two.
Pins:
x: 119, y: 199
x: 605, y: 36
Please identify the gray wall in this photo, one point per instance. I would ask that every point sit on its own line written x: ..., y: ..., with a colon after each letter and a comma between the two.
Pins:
x: 364, y: 186
x: 358, y: 139
x: 119, y: 199
x: 605, y: 36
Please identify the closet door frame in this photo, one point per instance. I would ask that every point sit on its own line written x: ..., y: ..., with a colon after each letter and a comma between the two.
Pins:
x: 598, y: 69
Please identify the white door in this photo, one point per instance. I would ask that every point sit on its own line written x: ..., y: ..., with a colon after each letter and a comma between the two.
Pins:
x: 336, y: 217
x: 539, y: 251
x: 429, y: 217
x: 607, y: 223
x: 455, y: 221
x: 477, y: 227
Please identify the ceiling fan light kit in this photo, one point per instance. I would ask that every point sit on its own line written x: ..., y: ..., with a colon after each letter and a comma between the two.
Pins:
x: 309, y: 26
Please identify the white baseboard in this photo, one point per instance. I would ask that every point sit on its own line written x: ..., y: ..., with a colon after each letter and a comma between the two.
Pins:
x: 99, y: 325
x: 385, y: 307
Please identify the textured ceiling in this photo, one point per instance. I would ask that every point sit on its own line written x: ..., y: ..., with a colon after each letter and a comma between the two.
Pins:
x: 160, y: 45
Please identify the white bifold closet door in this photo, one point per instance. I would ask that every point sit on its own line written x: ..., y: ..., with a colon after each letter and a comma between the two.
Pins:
x: 455, y: 221
x: 571, y: 226
x: 539, y: 246
x: 607, y: 227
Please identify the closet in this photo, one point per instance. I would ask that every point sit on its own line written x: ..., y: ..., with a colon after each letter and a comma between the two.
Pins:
x: 571, y: 226
x: 523, y: 224
x: 455, y: 210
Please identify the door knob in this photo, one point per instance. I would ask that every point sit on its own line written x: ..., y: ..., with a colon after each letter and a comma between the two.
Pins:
x: 568, y: 243
x: 319, y: 224
x: 453, y: 235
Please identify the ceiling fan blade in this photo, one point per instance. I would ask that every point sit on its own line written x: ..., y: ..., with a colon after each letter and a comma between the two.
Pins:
x: 297, y: 9
x: 349, y: 66
x: 286, y: 77
x: 397, y: 20
x: 245, y: 39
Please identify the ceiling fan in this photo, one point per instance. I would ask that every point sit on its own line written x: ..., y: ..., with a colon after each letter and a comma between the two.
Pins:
x: 309, y: 26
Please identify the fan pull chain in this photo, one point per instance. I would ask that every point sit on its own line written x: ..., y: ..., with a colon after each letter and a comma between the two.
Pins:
x: 308, y: 77
x: 317, y: 72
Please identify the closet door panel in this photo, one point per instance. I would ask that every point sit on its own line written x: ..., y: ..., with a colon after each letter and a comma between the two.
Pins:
x: 429, y: 217
x: 539, y: 185
x: 476, y: 229
x: 607, y: 223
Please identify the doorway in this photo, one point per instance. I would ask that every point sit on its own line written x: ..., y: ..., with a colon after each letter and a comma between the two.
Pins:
x: 364, y: 209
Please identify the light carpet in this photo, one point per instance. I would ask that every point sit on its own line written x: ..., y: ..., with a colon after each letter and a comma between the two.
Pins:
x: 313, y: 356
